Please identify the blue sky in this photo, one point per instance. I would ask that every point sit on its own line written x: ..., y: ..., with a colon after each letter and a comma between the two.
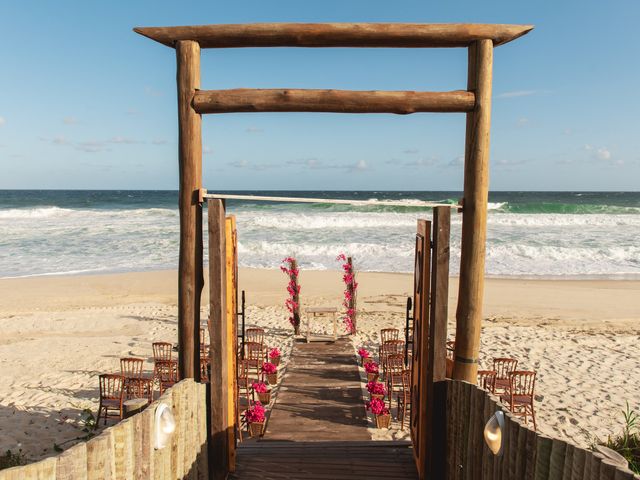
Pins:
x: 87, y: 103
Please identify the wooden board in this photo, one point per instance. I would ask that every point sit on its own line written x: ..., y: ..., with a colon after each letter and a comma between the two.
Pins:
x: 232, y: 315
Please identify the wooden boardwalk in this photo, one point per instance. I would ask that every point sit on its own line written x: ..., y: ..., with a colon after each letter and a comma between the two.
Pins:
x: 318, y: 426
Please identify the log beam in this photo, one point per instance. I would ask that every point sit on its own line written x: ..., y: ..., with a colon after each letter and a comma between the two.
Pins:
x: 336, y: 101
x: 474, y: 214
x: 399, y: 35
x: 190, y: 275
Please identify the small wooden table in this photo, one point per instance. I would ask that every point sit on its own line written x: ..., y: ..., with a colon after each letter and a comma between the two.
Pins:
x: 322, y: 312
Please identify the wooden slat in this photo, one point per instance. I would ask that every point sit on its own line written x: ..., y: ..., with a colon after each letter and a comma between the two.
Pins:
x: 231, y: 318
x: 218, y: 458
x: 190, y: 279
x: 203, y: 455
x: 72, y: 463
x: 409, y: 35
x: 568, y: 462
x: 556, y: 464
x: 578, y: 466
x: 474, y: 218
x: 100, y: 457
x: 123, y: 449
x: 543, y: 457
x: 336, y: 101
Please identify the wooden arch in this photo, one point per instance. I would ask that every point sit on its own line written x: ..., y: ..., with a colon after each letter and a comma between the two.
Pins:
x: 475, y: 102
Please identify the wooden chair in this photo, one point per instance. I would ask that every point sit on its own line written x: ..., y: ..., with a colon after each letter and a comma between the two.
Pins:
x: 256, y: 335
x: 244, y: 385
x: 135, y: 384
x: 487, y: 379
x: 519, y: 395
x: 161, y: 351
x: 404, y: 397
x: 390, y: 347
x: 394, y: 368
x: 111, y: 396
x: 387, y: 334
x: 254, y: 355
x: 204, y: 337
x: 166, y: 374
x: 503, y: 367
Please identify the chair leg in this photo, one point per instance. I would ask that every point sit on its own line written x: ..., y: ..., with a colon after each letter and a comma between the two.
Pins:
x: 533, y: 417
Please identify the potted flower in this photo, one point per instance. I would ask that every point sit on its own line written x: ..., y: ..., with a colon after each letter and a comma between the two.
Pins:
x: 255, y: 418
x: 380, y: 410
x: 274, y: 356
x: 377, y: 390
x: 372, y: 371
x: 264, y: 392
x: 364, y: 356
x: 271, y: 372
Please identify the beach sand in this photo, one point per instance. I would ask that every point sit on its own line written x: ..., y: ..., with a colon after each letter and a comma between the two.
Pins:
x: 58, y: 333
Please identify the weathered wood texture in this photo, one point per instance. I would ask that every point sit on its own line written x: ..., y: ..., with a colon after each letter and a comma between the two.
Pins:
x: 126, y: 449
x: 474, y: 215
x: 337, y: 101
x: 231, y: 237
x: 525, y: 455
x: 402, y: 35
x: 436, y: 392
x: 190, y: 268
x: 219, y: 420
x: 335, y: 460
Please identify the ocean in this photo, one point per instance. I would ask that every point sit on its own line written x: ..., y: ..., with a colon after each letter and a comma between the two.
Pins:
x: 530, y: 234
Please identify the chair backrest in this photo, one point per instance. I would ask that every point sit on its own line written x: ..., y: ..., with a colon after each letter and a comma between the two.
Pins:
x: 486, y: 379
x: 395, y: 364
x: 504, y: 366
x: 522, y: 383
x: 204, y: 369
x: 392, y: 347
x: 111, y: 386
x: 167, y: 370
x: 387, y: 334
x: 131, y: 367
x: 254, y: 335
x: 204, y: 338
x: 243, y: 369
x: 253, y: 351
x: 406, y: 382
x: 162, y: 350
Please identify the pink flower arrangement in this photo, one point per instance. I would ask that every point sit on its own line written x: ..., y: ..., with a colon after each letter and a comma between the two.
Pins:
x: 376, y: 388
x: 363, y: 353
x: 259, y: 387
x: 255, y: 413
x: 292, y: 303
x: 371, y: 367
x: 269, y: 368
x: 349, y: 279
x: 274, y: 352
x: 377, y: 407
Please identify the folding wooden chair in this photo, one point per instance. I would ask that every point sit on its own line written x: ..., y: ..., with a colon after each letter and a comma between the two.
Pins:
x: 111, y: 396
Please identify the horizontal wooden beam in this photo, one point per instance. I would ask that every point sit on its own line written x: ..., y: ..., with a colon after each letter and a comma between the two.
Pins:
x: 401, y: 35
x: 336, y: 101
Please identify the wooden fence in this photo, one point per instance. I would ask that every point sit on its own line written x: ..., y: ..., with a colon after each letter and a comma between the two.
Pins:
x: 526, y: 454
x: 126, y: 450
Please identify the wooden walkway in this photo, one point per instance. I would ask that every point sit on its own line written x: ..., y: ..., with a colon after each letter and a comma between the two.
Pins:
x: 318, y: 426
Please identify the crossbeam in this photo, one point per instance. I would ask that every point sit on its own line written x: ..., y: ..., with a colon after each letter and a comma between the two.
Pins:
x: 336, y: 101
x: 398, y: 35
x: 362, y: 203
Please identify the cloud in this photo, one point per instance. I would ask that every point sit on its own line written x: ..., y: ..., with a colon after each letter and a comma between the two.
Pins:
x: 410, y: 151
x: 253, y: 130
x: 92, y: 146
x: 517, y: 93
x: 508, y: 164
x: 359, y: 166
x: 70, y: 120
x: 457, y: 162
x: 602, y: 155
x: 159, y: 141
x: 418, y: 163
x: 522, y: 122
x: 124, y: 140
x: 311, y: 163
x: 152, y: 92
x: 2, y: 121
x: 244, y: 164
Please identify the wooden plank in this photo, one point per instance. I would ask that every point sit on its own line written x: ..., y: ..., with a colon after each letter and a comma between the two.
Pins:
x: 568, y: 462
x: 521, y: 455
x: 409, y: 35
x: 335, y: 101
x: 512, y: 453
x: 435, y: 418
x: 594, y: 460
x: 203, y: 454
x: 578, y: 465
x: 543, y: 457
x: 100, y: 457
x: 556, y: 464
x: 123, y: 449
x: 162, y: 457
x: 72, y: 463
x: 190, y: 274
x: 218, y: 457
x: 177, y: 451
x: 487, y: 455
x: 231, y: 318
x: 531, y: 454
x: 474, y: 216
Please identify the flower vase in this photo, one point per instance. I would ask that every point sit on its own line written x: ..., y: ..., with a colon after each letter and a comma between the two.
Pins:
x: 379, y: 396
x: 383, y: 421
x: 264, y: 397
x: 275, y: 360
x: 272, y: 378
x: 256, y: 428
x: 372, y: 377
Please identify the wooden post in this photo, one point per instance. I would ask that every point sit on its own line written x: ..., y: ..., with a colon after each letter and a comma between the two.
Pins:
x: 352, y: 291
x: 474, y: 216
x: 218, y: 416
x: 436, y: 394
x: 232, y: 334
x: 296, y: 301
x: 190, y: 274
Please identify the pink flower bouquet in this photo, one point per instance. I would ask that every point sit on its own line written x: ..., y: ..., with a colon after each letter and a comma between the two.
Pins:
x: 377, y: 407
x: 255, y: 413
x: 269, y: 368
x: 376, y: 388
x: 274, y: 352
x: 371, y: 367
x: 260, y: 387
x: 363, y: 353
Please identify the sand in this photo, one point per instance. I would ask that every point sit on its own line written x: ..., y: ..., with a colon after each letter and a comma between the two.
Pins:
x: 58, y: 333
